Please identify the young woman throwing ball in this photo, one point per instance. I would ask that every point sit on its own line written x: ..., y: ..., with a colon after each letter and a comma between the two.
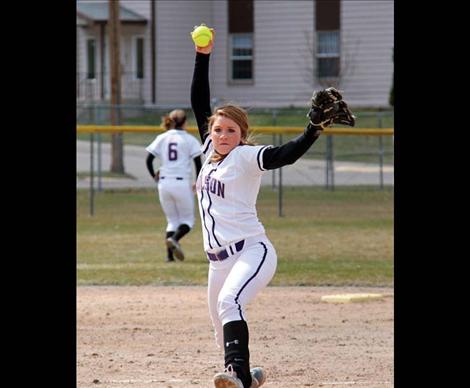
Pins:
x: 242, y: 260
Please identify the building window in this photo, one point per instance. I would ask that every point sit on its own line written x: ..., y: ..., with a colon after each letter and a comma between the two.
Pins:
x: 139, y: 58
x: 91, y: 58
x: 240, y: 29
x: 241, y: 57
x: 328, y: 54
x: 327, y: 25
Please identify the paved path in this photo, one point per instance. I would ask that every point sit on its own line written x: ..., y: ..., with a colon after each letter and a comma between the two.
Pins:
x: 303, y: 172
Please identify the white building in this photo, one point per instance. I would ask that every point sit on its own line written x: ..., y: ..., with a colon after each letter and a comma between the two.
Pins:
x: 267, y: 53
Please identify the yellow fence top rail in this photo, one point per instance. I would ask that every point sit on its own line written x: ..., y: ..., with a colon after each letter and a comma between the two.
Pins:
x: 255, y: 130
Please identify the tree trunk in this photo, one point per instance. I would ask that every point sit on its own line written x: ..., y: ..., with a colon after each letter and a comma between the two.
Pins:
x: 117, y: 151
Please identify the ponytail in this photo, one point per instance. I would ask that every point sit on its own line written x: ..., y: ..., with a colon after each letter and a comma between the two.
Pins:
x: 167, y: 123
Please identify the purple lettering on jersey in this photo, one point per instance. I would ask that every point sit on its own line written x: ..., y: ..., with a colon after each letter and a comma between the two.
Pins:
x: 214, y: 186
x: 206, y: 183
x: 221, y: 189
x: 172, y: 152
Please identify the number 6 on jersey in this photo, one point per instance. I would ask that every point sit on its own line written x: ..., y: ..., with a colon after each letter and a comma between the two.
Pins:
x: 172, y: 153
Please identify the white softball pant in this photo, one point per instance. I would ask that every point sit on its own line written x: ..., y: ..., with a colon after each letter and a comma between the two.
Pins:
x: 177, y: 201
x: 234, y: 282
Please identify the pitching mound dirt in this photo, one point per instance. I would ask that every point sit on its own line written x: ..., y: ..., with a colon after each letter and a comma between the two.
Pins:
x: 162, y: 337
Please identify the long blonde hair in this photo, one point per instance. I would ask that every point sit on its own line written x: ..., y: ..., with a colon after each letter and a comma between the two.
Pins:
x: 239, y: 116
x: 175, y: 119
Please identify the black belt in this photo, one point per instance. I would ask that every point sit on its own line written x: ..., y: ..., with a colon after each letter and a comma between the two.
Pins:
x: 178, y: 178
x: 222, y: 255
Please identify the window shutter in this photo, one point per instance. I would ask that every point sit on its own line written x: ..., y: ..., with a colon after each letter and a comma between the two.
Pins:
x: 240, y: 16
x: 327, y: 15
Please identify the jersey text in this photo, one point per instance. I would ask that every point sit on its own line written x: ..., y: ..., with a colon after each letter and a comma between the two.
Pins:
x: 214, y: 186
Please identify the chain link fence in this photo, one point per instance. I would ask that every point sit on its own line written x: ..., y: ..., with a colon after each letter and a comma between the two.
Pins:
x: 332, y: 161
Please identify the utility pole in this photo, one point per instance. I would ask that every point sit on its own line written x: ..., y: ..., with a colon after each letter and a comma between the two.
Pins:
x: 153, y: 48
x: 117, y: 152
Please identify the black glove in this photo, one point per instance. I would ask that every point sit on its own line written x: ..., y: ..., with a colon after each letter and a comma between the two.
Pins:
x: 328, y: 108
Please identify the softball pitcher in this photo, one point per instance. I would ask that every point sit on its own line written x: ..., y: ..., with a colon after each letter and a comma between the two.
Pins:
x: 175, y: 149
x: 242, y: 260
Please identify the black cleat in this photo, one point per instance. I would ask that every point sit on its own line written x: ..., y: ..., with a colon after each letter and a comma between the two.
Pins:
x: 175, y: 247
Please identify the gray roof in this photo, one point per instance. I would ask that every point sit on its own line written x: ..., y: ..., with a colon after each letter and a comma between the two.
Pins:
x: 98, y: 12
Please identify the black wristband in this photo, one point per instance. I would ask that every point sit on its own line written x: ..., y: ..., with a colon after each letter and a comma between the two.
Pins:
x: 314, y: 130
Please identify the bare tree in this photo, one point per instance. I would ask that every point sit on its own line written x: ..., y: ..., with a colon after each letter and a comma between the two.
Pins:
x: 117, y: 151
x: 310, y: 68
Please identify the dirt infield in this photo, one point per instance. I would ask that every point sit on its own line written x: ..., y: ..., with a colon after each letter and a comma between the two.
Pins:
x: 162, y: 337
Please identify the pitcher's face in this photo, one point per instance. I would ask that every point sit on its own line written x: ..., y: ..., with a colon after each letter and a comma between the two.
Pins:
x: 225, y: 135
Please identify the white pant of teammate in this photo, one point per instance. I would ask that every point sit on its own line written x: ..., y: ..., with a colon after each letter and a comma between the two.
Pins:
x: 177, y: 201
x: 235, y: 281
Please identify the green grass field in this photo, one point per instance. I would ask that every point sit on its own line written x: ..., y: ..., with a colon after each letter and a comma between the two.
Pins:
x: 343, y: 237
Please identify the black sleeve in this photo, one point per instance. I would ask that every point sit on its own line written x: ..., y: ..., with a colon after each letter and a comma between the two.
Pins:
x: 200, y: 93
x: 289, y: 152
x: 198, y: 164
x: 149, y: 162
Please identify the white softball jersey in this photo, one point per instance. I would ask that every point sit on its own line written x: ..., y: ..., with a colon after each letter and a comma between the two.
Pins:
x: 227, y: 192
x: 176, y: 150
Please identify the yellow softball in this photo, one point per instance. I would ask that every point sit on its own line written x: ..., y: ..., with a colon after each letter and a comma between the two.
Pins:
x: 201, y: 35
